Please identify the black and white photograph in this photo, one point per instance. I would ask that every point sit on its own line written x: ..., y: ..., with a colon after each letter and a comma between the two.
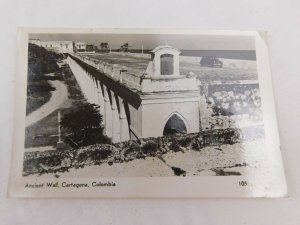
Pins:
x: 149, y: 112
x: 105, y: 105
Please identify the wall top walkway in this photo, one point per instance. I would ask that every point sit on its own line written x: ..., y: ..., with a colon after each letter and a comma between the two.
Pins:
x: 125, y: 74
x: 130, y: 96
x: 136, y: 64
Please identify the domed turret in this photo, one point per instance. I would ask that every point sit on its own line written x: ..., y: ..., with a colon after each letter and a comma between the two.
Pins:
x: 164, y: 61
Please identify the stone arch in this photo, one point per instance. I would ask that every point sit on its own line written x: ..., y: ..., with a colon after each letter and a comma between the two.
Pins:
x: 175, y: 123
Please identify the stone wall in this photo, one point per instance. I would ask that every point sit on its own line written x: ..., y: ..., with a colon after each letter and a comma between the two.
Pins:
x: 60, y: 161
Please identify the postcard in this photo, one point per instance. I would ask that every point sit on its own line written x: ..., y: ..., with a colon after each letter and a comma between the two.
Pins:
x: 144, y: 113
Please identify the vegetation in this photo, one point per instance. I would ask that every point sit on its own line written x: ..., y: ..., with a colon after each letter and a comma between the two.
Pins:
x: 96, y: 154
x: 36, y: 134
x: 149, y: 147
x: 90, y: 48
x: 40, y: 63
x: 84, y: 123
x: 104, y: 45
x: 124, y: 47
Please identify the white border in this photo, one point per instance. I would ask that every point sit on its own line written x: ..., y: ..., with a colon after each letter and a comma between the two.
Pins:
x: 273, y: 184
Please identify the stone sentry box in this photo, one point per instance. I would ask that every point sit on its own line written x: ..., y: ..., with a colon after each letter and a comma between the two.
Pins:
x: 168, y: 98
x: 164, y: 61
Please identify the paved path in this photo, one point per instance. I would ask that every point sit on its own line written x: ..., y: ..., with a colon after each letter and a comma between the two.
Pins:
x: 58, y: 97
x: 39, y: 149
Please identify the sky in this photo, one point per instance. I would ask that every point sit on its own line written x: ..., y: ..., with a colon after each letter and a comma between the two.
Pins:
x: 150, y: 41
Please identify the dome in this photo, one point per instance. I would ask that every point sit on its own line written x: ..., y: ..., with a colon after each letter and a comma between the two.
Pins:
x: 164, y: 47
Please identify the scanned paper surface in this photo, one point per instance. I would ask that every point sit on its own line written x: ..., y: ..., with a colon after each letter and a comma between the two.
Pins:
x: 144, y: 113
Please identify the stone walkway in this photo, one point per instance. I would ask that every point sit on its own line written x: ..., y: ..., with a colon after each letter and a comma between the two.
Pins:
x: 39, y: 149
x: 58, y: 97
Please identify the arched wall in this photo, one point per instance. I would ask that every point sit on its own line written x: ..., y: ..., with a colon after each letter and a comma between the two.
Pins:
x: 115, y: 121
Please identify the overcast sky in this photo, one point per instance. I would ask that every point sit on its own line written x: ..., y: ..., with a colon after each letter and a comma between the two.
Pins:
x: 150, y: 41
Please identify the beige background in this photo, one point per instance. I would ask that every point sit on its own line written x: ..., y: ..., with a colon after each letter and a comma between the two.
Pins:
x: 281, y: 17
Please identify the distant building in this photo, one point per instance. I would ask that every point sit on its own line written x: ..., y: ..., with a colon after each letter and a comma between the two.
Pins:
x: 80, y: 46
x: 35, y: 41
x: 57, y: 46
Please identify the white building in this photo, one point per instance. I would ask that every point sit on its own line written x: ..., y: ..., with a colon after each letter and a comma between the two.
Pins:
x: 57, y: 46
x: 35, y: 41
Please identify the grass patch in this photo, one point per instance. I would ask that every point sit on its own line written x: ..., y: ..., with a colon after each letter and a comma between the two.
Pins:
x: 43, y: 133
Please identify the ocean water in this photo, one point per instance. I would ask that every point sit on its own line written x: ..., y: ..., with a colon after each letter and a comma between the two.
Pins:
x: 227, y: 54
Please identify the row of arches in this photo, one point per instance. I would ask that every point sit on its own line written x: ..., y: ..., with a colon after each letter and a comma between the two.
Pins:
x: 116, y: 111
x: 116, y: 118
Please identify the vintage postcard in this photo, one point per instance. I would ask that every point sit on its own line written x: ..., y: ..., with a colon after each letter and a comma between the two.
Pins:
x: 144, y: 113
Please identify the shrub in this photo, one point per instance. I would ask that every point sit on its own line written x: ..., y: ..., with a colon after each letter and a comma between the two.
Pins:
x: 82, y: 157
x: 185, y: 141
x: 50, y: 161
x: 100, y: 154
x: 85, y: 125
x: 93, y: 155
x: 30, y: 166
x: 150, y: 146
x: 132, y: 148
x: 41, y: 61
x: 174, y: 146
x: 197, y: 143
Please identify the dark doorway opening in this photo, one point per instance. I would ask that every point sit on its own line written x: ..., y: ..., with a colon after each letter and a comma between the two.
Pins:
x: 174, y: 125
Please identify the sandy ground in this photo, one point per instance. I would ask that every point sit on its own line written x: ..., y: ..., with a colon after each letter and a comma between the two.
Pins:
x: 228, y: 158
x: 58, y: 97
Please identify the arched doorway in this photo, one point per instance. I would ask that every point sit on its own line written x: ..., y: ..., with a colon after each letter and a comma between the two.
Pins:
x: 174, y: 125
x: 166, y: 64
